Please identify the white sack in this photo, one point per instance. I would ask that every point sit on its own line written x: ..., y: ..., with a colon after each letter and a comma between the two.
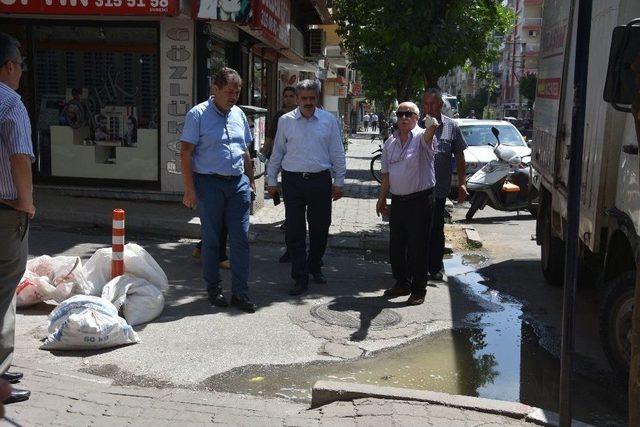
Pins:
x: 137, y: 263
x: 48, y: 278
x: 86, y: 322
x: 136, y: 298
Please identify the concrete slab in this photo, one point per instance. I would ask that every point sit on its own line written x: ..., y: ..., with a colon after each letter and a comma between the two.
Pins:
x: 327, y: 392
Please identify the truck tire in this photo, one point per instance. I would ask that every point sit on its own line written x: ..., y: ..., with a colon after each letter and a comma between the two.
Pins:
x: 615, y: 323
x: 551, y: 253
x: 477, y: 200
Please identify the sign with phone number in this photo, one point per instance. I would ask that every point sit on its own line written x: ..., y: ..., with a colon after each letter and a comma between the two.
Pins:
x: 92, y: 7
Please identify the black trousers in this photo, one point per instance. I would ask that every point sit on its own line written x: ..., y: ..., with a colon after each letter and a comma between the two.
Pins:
x: 308, y: 200
x: 410, y: 224
x: 436, y: 239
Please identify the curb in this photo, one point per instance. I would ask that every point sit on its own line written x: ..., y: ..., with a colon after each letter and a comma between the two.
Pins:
x: 326, y: 392
x: 473, y: 238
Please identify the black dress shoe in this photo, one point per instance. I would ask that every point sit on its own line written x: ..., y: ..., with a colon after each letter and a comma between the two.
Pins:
x: 216, y: 298
x: 285, y: 257
x: 299, y: 288
x: 17, y: 395
x: 243, y: 304
x: 398, y: 290
x: 319, y: 278
x: 12, y: 377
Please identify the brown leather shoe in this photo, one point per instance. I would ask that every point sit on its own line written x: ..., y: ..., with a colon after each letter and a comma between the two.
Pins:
x: 396, y: 291
x: 415, y: 299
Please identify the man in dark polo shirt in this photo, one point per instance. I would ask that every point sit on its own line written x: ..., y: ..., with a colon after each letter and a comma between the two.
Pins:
x: 449, y: 143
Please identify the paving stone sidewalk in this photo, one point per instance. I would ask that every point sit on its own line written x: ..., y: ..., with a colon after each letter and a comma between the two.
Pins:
x: 75, y: 400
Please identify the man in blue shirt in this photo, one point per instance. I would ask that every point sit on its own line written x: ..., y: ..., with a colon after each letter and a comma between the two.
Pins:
x: 16, y: 201
x: 308, y: 148
x: 218, y: 180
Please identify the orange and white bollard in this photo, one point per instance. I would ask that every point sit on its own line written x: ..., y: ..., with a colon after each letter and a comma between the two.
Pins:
x: 117, y: 244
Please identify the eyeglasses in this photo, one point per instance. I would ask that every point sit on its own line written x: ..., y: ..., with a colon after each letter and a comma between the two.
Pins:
x: 406, y: 114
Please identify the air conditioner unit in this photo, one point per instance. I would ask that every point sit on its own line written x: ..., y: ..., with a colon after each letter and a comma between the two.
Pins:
x: 333, y: 52
x: 315, y: 43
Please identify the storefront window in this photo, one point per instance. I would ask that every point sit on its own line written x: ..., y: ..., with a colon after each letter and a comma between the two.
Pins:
x: 96, y: 100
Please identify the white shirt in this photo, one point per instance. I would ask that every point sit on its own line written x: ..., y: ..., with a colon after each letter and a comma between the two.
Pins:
x: 410, y: 167
x: 307, y: 145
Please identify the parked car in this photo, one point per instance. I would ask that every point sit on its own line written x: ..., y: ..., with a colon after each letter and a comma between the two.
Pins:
x: 479, y: 138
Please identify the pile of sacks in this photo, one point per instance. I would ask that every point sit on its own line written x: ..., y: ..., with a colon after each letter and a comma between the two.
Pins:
x: 90, y: 302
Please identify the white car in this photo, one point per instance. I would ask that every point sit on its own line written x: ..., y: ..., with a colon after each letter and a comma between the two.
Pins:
x: 478, y: 136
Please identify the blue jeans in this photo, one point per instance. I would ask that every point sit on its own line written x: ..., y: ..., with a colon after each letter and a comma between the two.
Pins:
x: 219, y: 202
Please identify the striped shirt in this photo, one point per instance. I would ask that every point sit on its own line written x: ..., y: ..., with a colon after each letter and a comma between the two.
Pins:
x: 15, y: 137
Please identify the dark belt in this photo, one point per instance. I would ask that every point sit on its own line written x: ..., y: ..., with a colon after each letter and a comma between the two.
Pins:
x: 222, y: 177
x: 7, y: 207
x: 412, y: 196
x: 308, y: 175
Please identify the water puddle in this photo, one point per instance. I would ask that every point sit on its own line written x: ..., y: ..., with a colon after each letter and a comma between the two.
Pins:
x: 495, y: 355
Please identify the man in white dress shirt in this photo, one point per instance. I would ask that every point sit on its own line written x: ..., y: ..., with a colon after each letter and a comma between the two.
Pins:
x: 308, y: 149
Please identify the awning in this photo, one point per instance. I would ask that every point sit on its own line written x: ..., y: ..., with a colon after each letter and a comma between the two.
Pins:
x: 285, y: 64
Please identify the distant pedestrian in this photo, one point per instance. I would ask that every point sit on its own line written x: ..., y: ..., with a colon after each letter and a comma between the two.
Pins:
x: 289, y: 102
x: 408, y: 174
x: 308, y: 149
x: 449, y: 143
x: 472, y: 114
x: 365, y: 121
x: 374, y: 122
x: 218, y: 174
x: 16, y: 201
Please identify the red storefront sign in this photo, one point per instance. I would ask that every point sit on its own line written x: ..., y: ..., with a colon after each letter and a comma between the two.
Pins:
x: 92, y: 7
x: 271, y: 18
x: 549, y: 88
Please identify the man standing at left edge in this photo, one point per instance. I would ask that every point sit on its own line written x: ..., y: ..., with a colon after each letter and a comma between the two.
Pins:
x: 16, y: 201
x: 218, y: 181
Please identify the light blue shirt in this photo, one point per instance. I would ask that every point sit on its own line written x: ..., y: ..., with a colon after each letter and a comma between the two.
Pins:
x: 308, y: 145
x: 410, y: 166
x: 220, y: 139
x: 15, y: 137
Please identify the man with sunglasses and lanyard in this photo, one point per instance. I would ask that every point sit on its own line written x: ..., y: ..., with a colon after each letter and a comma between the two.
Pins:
x: 16, y: 201
x: 218, y: 174
x: 408, y: 174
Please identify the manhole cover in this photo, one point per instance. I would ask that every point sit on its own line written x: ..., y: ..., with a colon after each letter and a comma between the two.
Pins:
x: 356, y: 314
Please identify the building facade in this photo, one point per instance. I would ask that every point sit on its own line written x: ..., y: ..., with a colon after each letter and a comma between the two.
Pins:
x: 110, y: 81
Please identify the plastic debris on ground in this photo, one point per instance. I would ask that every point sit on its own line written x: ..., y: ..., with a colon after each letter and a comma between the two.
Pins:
x: 137, y: 263
x: 90, y: 301
x: 138, y: 299
x: 48, y: 278
x: 85, y: 322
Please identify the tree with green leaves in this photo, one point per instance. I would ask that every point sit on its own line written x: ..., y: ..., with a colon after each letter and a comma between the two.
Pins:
x: 402, y: 46
x: 527, y: 86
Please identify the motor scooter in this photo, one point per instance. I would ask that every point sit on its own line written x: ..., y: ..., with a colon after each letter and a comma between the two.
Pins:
x: 502, y: 184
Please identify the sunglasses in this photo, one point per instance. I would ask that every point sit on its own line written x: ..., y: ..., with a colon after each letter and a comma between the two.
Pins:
x: 406, y: 114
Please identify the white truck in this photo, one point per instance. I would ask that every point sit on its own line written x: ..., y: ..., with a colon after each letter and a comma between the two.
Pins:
x: 609, y: 229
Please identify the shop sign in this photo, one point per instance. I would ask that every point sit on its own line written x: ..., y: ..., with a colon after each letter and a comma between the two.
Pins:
x: 92, y: 7
x: 271, y: 18
x: 224, y: 10
x: 176, y: 78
